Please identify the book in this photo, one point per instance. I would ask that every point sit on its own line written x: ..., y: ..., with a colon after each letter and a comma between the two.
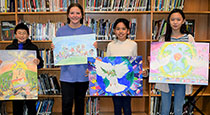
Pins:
x: 7, y: 30
x: 190, y: 27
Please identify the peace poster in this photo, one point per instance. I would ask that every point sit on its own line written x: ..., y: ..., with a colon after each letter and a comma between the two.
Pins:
x: 179, y: 63
x: 18, y: 75
x: 70, y: 50
x: 115, y: 76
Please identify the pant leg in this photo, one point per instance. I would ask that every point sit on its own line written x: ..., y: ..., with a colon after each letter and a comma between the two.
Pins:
x: 117, y: 105
x: 31, y: 105
x: 166, y: 102
x: 126, y: 105
x: 80, y: 92
x: 179, y: 96
x: 67, y: 90
x: 18, y: 107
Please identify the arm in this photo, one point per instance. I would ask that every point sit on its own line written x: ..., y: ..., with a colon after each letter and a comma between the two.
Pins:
x: 108, y: 51
x: 135, y: 50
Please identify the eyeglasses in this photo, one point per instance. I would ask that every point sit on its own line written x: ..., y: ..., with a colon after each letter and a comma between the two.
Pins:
x: 22, y: 33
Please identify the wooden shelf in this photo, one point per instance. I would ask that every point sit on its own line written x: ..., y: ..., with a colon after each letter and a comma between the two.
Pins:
x: 117, y: 12
x: 50, y: 69
x: 186, y: 12
x: 7, y: 13
x: 50, y: 96
x: 37, y: 13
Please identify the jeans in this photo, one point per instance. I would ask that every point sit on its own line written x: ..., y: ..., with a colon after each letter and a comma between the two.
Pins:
x: 122, y: 102
x: 73, y: 92
x: 179, y: 96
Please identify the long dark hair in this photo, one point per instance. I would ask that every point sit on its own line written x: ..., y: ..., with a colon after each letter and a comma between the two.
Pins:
x: 75, y: 5
x: 169, y: 29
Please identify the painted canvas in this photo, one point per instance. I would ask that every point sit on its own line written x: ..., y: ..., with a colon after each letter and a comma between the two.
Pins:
x: 70, y: 50
x: 18, y: 75
x: 179, y: 63
x: 115, y: 76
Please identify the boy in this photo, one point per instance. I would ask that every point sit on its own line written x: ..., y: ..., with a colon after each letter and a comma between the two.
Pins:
x: 23, y: 43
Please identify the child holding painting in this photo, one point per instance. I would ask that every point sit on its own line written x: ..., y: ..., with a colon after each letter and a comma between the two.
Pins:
x: 23, y: 43
x: 122, y: 46
x: 175, y: 32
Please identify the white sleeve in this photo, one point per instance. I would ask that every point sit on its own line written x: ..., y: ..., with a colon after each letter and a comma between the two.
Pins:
x: 191, y: 38
x: 108, y: 51
x: 135, y: 50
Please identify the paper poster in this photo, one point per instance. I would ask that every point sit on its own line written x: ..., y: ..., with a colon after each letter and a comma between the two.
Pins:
x: 18, y: 75
x: 70, y: 50
x: 179, y: 63
x: 115, y: 76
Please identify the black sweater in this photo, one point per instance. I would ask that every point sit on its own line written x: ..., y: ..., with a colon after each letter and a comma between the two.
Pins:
x: 28, y: 45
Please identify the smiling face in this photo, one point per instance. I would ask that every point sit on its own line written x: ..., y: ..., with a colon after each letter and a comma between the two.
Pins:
x: 121, y: 31
x: 176, y: 21
x: 21, y: 35
x: 75, y: 15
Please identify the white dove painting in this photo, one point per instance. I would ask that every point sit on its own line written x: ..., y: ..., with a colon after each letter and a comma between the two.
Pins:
x: 18, y: 75
x: 179, y: 63
x: 115, y: 76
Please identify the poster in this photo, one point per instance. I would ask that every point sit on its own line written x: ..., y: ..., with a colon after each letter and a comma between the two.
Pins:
x: 115, y: 76
x: 179, y: 63
x: 18, y: 75
x: 70, y: 50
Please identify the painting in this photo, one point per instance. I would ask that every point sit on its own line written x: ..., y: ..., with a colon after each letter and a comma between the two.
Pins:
x: 115, y: 76
x: 179, y: 63
x: 18, y: 75
x: 70, y: 50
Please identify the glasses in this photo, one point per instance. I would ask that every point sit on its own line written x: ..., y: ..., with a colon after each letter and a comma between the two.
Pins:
x: 22, y: 33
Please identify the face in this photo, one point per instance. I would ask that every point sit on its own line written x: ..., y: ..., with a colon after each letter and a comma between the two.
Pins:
x: 176, y: 21
x: 21, y: 35
x: 75, y: 15
x: 121, y: 31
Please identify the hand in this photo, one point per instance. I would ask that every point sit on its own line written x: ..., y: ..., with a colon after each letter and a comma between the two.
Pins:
x: 148, y: 58
x: 52, y: 46
x: 87, y: 72
x: 209, y: 56
x: 36, y: 61
x: 95, y: 44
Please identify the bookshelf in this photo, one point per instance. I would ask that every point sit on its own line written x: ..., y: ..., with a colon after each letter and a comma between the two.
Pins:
x: 198, y: 10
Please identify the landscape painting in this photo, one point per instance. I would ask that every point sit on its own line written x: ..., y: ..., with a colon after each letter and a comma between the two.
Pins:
x: 179, y: 63
x: 71, y: 50
x: 115, y: 76
x: 18, y: 75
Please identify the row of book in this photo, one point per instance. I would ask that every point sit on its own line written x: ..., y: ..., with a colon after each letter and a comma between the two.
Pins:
x: 7, y: 5
x: 92, y: 106
x: 47, y: 56
x: 168, y: 5
x: 39, y: 31
x: 44, y: 107
x: 104, y: 28
x: 46, y: 31
x: 159, y: 28
x: 44, y: 5
x: 48, y: 85
x: 155, y: 107
x: 117, y: 5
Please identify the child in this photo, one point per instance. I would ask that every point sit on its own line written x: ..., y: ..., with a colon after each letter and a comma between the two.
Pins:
x: 122, y: 47
x: 23, y: 43
x: 74, y: 84
x: 175, y: 32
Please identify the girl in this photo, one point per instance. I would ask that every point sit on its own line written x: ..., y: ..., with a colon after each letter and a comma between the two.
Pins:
x: 74, y: 84
x: 122, y: 47
x: 175, y: 32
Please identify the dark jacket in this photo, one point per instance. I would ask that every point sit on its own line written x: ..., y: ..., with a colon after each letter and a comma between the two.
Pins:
x: 28, y: 45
